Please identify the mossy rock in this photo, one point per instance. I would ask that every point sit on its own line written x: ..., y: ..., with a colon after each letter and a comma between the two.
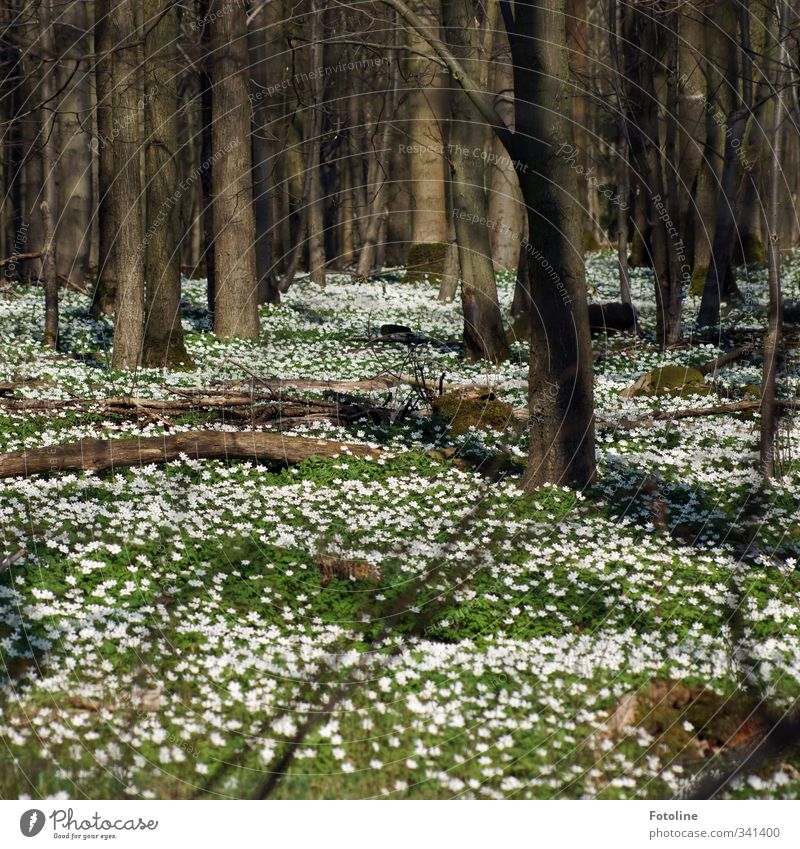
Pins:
x: 426, y: 261
x: 462, y: 411
x: 698, y: 282
x: 676, y: 381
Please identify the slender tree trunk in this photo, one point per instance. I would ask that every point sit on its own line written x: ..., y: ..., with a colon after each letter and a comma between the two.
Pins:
x: 259, y: 36
x: 777, y: 187
x: 126, y: 190
x: 105, y: 288
x: 484, y: 336
x: 316, y: 201
x: 426, y: 111
x: 163, y: 339
x: 379, y: 173
x: 236, y: 289
x: 75, y: 159
x: 642, y: 32
x: 207, y: 155
x: 623, y: 166
x: 49, y: 203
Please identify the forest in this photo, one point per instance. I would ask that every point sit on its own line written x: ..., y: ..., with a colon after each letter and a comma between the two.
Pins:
x: 398, y: 399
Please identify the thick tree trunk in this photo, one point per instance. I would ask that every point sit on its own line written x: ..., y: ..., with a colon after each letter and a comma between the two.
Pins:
x: 126, y: 190
x: 484, y: 336
x: 236, y: 289
x: 163, y: 338
x: 561, y: 391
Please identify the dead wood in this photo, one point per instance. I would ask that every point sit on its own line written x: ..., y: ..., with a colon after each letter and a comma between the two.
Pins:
x: 102, y: 454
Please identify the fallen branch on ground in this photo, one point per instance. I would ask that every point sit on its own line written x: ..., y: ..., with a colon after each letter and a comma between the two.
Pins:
x: 725, y: 359
x: 101, y: 454
x: 696, y: 412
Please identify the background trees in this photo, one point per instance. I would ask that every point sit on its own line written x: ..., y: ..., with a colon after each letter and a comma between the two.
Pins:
x: 248, y: 143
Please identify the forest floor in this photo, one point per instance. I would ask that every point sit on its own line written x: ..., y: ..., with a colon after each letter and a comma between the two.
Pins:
x: 162, y: 623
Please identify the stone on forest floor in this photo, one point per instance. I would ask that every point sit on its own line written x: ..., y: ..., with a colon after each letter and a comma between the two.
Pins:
x: 679, y: 381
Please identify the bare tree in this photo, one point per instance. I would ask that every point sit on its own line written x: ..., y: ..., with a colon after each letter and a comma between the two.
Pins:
x: 125, y: 189
x: 236, y: 290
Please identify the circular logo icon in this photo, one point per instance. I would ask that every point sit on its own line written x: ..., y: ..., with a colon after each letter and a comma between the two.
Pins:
x: 31, y: 822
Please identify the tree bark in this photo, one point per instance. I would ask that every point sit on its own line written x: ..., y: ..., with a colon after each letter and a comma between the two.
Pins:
x: 236, y: 290
x: 484, y: 336
x: 163, y: 337
x: 126, y: 191
x: 777, y: 187
x: 49, y: 203
x: 561, y: 390
x: 105, y: 289
x: 74, y: 211
x: 102, y: 454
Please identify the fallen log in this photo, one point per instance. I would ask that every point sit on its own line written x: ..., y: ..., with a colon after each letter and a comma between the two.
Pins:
x: 101, y: 454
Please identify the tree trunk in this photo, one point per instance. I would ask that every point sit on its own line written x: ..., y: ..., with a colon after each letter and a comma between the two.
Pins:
x: 236, y: 290
x: 260, y: 37
x: 74, y: 161
x: 426, y: 110
x: 379, y: 169
x: 125, y: 190
x: 316, y: 201
x: 163, y: 338
x: 105, y: 289
x: 561, y: 391
x: 49, y: 203
x: 777, y: 187
x: 641, y: 31
x: 484, y: 336
x: 207, y: 155
x: 623, y: 166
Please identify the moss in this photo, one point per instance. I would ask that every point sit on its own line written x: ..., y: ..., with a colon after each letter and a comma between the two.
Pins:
x: 461, y: 412
x: 677, y: 381
x: 698, y: 281
x: 590, y: 242
x: 751, y: 392
x: 750, y: 250
x: 689, y: 721
x: 639, y: 256
x: 426, y: 261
